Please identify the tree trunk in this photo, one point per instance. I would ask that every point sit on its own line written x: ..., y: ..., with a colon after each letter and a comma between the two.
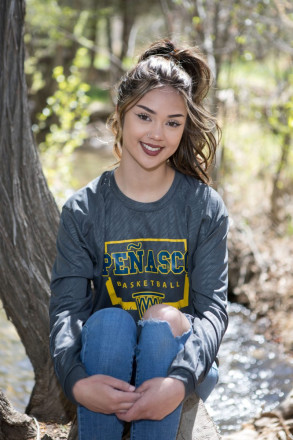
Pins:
x: 28, y: 220
x: 115, y: 64
x: 13, y: 425
x: 128, y: 16
x: 168, y: 18
x: 276, y: 199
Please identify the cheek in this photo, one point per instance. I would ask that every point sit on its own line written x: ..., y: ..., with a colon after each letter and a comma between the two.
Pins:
x: 177, y: 139
x: 131, y: 137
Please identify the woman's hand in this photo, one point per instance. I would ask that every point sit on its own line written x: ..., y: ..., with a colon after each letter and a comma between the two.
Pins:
x: 158, y: 398
x: 105, y: 394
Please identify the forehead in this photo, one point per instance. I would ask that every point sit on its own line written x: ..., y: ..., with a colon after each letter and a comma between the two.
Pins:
x: 164, y: 98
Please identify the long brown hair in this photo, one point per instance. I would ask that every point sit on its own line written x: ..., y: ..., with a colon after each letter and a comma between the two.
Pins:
x: 186, y: 70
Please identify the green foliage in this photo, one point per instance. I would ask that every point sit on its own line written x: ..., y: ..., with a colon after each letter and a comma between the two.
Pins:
x: 66, y: 116
x: 248, y: 41
x: 31, y: 69
x: 281, y: 117
x: 96, y: 93
x: 241, y: 39
x: 250, y: 153
x: 247, y: 75
x: 280, y: 121
x: 51, y: 32
x: 196, y: 20
x: 290, y: 227
x: 257, y: 136
x: 47, y: 22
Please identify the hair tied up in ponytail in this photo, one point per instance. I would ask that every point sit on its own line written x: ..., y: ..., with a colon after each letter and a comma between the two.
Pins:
x: 170, y: 55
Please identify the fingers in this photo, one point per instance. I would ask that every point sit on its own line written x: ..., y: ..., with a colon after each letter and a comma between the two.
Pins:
x: 105, y: 394
x: 128, y: 415
x: 117, y: 383
x: 123, y: 407
x: 143, y: 387
x: 136, y: 412
x: 125, y: 398
x: 158, y: 398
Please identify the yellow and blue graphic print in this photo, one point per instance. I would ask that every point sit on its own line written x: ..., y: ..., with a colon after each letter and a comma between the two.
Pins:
x: 144, y: 272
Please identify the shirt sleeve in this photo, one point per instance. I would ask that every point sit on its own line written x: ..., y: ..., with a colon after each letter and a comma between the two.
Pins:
x: 71, y: 301
x: 209, y: 283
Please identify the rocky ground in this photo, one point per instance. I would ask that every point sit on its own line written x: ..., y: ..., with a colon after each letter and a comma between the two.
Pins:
x: 275, y: 425
x: 261, y: 275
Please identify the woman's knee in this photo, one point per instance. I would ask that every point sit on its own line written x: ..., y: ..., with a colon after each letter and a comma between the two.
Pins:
x: 109, y: 335
x: 110, y: 317
x: 111, y: 326
x: 162, y: 312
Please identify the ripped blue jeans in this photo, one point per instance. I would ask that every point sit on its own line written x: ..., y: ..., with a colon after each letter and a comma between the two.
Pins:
x: 111, y: 341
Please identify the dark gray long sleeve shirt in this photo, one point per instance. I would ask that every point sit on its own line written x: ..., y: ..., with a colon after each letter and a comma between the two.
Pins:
x: 116, y: 252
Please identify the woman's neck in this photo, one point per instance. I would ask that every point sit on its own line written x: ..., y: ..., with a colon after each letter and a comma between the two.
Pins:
x: 147, y: 186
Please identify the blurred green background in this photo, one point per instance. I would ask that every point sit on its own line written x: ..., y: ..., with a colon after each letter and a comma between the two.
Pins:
x: 78, y: 50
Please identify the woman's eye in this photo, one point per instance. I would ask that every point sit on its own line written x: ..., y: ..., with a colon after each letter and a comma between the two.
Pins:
x: 143, y: 116
x: 174, y: 124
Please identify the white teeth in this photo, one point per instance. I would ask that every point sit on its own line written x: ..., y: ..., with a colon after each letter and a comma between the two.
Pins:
x: 150, y: 148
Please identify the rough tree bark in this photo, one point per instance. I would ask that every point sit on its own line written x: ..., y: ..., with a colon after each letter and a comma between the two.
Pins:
x: 13, y: 425
x: 28, y: 220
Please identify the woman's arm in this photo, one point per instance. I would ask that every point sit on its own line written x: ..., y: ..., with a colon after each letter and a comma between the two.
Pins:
x: 209, y: 282
x: 71, y: 301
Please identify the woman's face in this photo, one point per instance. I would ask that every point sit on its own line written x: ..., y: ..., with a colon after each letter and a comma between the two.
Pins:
x: 153, y: 128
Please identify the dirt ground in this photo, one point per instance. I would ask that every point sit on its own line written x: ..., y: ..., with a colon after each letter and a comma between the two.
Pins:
x: 54, y: 431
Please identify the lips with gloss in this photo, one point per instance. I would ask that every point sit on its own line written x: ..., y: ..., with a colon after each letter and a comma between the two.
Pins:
x: 150, y: 150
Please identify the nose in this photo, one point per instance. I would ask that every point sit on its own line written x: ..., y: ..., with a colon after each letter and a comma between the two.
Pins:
x: 156, y: 133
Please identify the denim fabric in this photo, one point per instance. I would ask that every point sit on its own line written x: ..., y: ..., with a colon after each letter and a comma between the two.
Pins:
x: 110, y: 342
x: 109, y: 339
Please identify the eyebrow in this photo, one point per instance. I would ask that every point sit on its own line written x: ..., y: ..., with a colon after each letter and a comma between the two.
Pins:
x: 153, y: 112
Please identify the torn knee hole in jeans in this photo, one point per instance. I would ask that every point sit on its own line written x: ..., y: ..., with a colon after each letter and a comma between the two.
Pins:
x: 143, y: 321
x: 156, y: 321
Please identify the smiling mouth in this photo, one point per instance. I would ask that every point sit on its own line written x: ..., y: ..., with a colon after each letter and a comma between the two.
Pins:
x: 150, y: 149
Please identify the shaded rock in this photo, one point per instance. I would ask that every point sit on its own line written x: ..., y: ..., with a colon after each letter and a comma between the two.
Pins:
x: 195, y: 423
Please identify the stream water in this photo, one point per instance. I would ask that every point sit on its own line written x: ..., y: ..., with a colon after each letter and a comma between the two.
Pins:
x: 255, y: 374
x: 16, y: 373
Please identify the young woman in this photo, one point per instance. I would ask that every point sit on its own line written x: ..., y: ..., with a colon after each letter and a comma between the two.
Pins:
x: 138, y: 306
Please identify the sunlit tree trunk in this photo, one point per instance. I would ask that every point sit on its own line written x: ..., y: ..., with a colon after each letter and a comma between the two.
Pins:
x: 276, y: 196
x: 28, y: 220
x: 115, y: 63
x: 168, y: 17
x: 128, y: 16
